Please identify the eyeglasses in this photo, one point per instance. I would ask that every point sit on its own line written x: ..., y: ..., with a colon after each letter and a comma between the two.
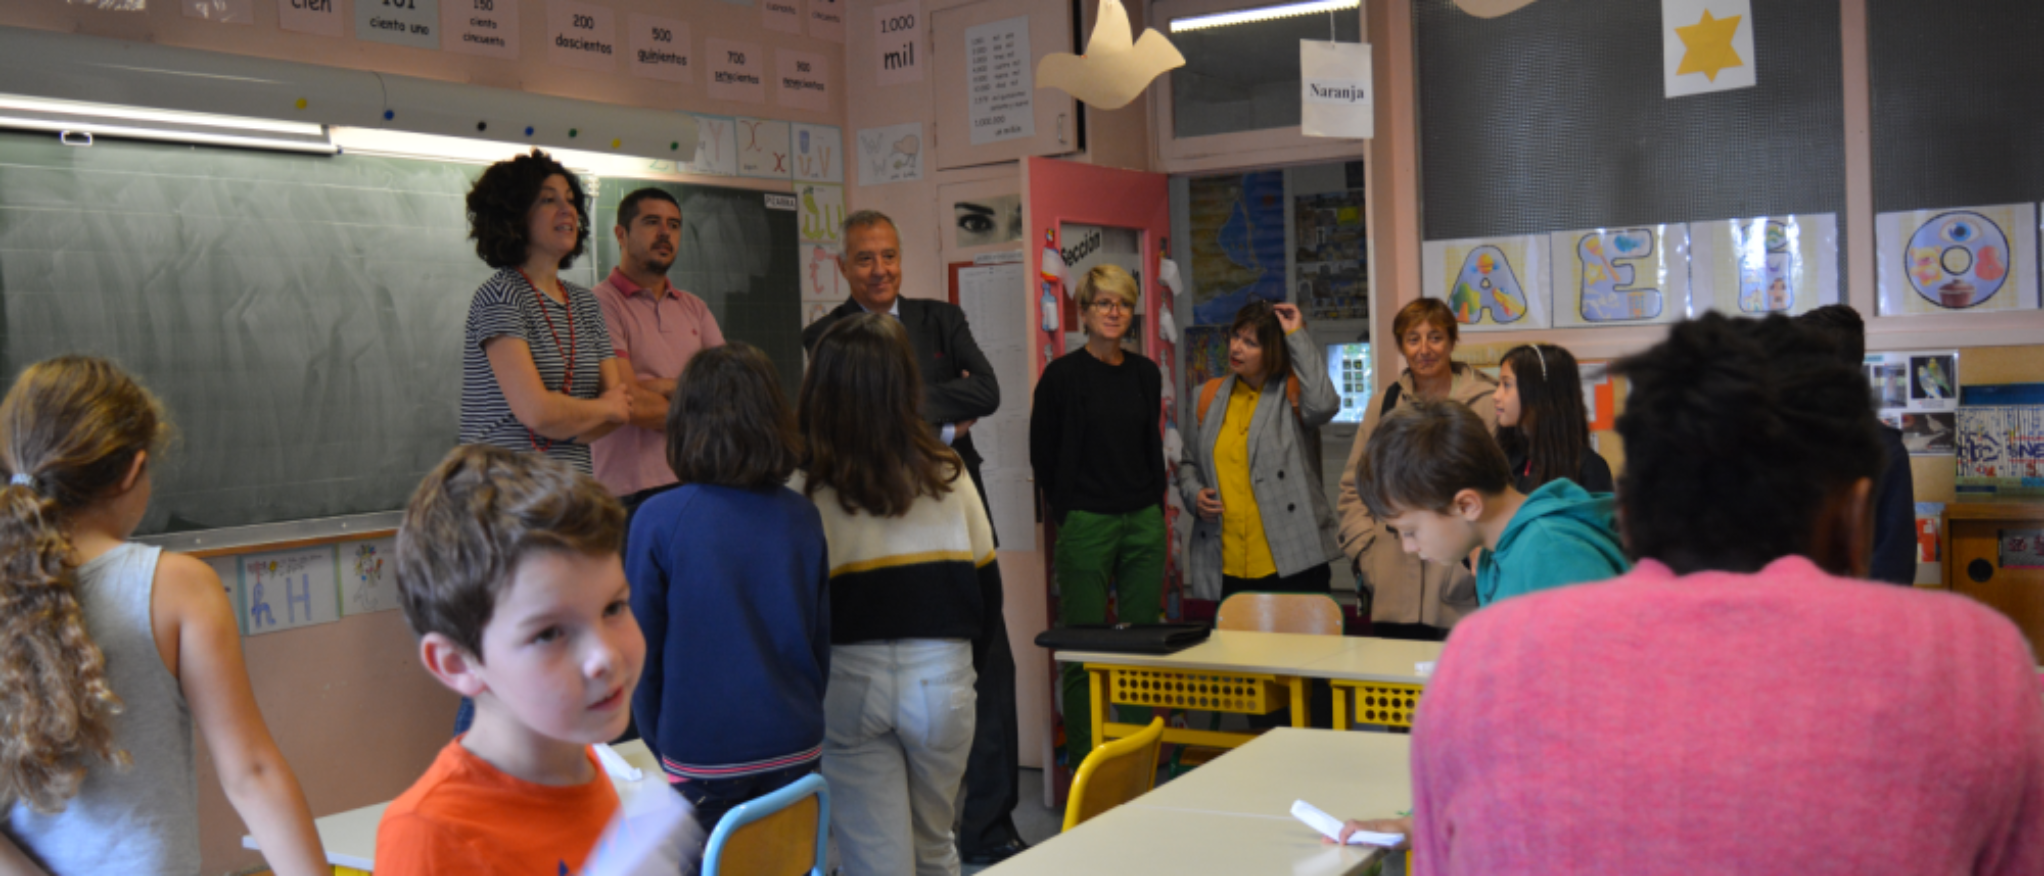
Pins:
x: 1111, y: 305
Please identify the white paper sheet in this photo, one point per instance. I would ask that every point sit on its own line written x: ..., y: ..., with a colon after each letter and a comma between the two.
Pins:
x: 1000, y: 86
x: 1330, y: 827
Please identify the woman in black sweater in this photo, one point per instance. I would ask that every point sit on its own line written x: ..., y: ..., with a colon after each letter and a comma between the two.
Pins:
x: 1096, y: 443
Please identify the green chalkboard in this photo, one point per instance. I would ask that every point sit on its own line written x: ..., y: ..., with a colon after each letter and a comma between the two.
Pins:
x: 301, y: 316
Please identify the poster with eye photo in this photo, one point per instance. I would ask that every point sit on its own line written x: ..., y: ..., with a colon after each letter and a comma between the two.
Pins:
x: 1918, y: 393
x: 988, y: 221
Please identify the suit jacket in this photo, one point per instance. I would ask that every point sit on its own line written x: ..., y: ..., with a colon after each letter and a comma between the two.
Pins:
x: 944, y: 350
x: 1284, y: 472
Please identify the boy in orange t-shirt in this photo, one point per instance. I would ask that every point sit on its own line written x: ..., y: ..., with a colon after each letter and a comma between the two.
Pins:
x: 508, y: 568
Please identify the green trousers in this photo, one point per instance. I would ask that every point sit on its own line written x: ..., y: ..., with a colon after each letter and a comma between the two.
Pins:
x: 1094, y: 552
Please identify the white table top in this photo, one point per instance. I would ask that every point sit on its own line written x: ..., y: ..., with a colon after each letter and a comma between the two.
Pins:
x: 1353, y: 658
x: 1388, y: 660
x: 1135, y: 839
x: 1233, y: 815
x: 1228, y: 651
x: 1348, y: 774
x: 350, y: 837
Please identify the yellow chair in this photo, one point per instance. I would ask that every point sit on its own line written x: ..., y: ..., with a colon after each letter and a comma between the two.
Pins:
x: 1115, y: 773
x: 780, y: 834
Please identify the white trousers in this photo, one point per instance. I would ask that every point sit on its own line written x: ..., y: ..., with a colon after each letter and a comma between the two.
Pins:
x: 898, y: 721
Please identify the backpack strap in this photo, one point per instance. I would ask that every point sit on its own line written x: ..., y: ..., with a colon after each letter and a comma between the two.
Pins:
x: 1390, y: 399
x: 1207, y: 392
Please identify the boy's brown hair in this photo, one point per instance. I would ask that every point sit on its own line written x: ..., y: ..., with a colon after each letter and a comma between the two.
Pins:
x: 1423, y: 454
x: 475, y: 517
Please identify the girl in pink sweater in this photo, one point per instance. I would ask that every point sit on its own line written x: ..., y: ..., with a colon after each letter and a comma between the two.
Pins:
x: 1739, y: 702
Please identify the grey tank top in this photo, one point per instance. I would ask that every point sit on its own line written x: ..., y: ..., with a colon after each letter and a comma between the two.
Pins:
x: 145, y: 819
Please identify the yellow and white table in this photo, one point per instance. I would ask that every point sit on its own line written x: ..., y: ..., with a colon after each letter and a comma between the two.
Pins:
x: 1380, y: 676
x: 1256, y: 674
x: 350, y: 837
x: 1232, y: 815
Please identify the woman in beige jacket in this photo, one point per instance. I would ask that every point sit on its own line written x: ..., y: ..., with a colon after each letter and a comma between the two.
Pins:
x: 1411, y: 598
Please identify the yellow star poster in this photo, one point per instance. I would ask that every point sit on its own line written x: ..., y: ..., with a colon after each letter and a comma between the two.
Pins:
x: 1706, y: 45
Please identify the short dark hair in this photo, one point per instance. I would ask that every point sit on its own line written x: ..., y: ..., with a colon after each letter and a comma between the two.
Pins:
x: 501, y: 200
x: 1260, y: 317
x: 1423, y: 453
x: 729, y: 423
x: 1845, y: 328
x: 628, y: 209
x: 862, y: 432
x: 475, y: 517
x: 1736, y: 433
x: 1554, y: 428
x: 1433, y: 311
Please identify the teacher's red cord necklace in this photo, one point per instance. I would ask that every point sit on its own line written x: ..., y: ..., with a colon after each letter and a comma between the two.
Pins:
x: 568, y: 376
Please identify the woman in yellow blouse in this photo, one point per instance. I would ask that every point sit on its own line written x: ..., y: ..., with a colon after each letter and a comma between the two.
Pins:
x: 1253, y: 475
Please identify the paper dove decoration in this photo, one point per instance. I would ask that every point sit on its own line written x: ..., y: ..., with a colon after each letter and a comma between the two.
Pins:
x: 1114, y: 69
x: 1167, y: 326
x: 1167, y: 273
x: 1491, y: 8
x: 1174, y: 445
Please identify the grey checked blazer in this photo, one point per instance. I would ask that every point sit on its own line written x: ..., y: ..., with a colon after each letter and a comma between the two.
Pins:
x: 1284, y: 471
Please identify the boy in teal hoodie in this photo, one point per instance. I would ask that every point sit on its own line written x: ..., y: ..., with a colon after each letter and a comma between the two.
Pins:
x: 1434, y: 474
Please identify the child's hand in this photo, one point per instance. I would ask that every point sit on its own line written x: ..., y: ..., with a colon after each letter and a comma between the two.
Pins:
x: 1376, y: 825
x: 1209, y: 502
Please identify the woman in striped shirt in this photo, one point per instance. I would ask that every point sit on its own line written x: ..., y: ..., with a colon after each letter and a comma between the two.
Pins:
x: 538, y: 371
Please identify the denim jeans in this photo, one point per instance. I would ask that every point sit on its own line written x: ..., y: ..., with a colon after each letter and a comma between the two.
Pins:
x: 898, y: 724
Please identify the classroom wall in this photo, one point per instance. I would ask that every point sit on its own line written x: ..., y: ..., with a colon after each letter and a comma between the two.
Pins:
x: 164, y: 22
x: 355, y: 715
x: 352, y: 710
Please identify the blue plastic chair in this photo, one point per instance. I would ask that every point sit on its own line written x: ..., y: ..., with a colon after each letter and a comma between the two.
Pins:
x: 774, y: 835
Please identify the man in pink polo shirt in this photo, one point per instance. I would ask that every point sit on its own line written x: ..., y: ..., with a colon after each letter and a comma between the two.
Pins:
x: 656, y: 328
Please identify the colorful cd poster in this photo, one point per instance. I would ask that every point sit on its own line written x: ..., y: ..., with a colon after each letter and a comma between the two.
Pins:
x: 1492, y: 283
x: 1918, y: 393
x: 1964, y: 259
x: 1764, y: 264
x: 1623, y: 275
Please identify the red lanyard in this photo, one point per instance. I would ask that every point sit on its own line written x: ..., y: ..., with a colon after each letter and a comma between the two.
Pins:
x: 568, y: 376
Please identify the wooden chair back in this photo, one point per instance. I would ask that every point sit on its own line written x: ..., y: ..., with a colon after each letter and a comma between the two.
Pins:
x: 1310, y: 613
x: 780, y: 834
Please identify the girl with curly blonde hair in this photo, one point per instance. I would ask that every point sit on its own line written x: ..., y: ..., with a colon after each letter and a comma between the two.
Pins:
x: 110, y: 649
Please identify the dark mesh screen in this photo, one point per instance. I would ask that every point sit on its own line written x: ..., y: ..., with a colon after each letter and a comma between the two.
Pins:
x: 1552, y: 118
x: 1958, y: 109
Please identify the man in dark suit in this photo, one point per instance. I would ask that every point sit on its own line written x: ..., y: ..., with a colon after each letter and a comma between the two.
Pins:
x: 958, y: 388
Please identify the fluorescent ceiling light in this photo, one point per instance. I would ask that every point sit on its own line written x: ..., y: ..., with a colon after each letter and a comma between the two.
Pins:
x: 107, y: 120
x: 1260, y: 13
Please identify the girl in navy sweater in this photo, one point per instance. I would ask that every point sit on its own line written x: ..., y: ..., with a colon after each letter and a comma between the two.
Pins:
x: 730, y: 583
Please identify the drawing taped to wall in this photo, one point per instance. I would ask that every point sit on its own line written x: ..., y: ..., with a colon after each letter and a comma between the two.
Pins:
x: 1959, y: 259
x: 763, y: 149
x: 289, y: 589
x: 891, y: 154
x: 819, y: 154
x: 371, y: 576
x: 1621, y: 276
x: 716, y: 146
x: 1764, y: 264
x: 1492, y: 283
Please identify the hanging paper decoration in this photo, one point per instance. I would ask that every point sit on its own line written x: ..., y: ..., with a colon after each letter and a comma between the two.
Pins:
x: 1115, y: 68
